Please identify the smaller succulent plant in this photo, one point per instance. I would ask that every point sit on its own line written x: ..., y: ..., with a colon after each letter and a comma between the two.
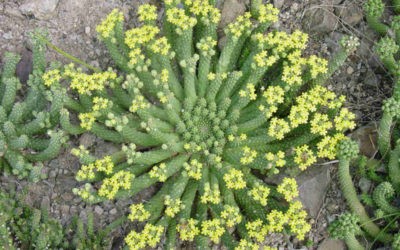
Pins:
x: 373, y: 12
x: 346, y: 228
x: 23, y: 227
x: 28, y: 134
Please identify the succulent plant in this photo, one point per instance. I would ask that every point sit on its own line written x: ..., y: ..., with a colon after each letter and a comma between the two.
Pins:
x: 383, y: 200
x: 205, y: 124
x: 28, y: 134
x: 346, y: 228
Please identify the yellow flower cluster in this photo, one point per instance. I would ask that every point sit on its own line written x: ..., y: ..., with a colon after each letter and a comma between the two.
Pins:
x: 136, y: 37
x: 150, y: 236
x: 345, y: 120
x: 240, y: 26
x: 234, y: 179
x: 84, y: 83
x: 159, y: 172
x: 103, y: 165
x: 147, y: 12
x: 206, y: 46
x: 297, y: 220
x: 187, y: 229
x: 111, y: 186
x: 268, y: 14
x: 100, y: 103
x: 304, y: 157
x: 278, y: 128
x: 51, y: 77
x: 327, y: 147
x: 247, y: 245
x: 249, y: 92
x: 204, y: 9
x: 273, y: 96
x: 276, y: 221
x: 173, y: 206
x: 213, y: 229
x: 281, y: 42
x: 317, y: 65
x: 256, y: 230
x: 288, y: 188
x: 298, y: 115
x: 248, y: 155
x: 138, y: 212
x: 160, y: 46
x: 211, y: 195
x: 275, y: 160
x: 106, y: 28
x: 87, y: 120
x: 260, y: 193
x: 292, y: 74
x: 262, y: 59
x: 138, y: 103
x: 231, y: 216
x: 320, y: 124
x: 178, y: 18
x: 194, y: 169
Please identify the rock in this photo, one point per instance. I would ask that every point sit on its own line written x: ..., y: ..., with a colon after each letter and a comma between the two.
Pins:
x: 320, y: 19
x: 366, y: 137
x: 350, y: 70
x: 87, y: 30
x: 45, y: 203
x: 98, y: 210
x: 371, y: 79
x: 87, y: 140
x: 67, y: 196
x: 41, y: 9
x: 24, y: 66
x: 331, y: 244
x: 230, y: 10
x: 364, y: 184
x: 113, y: 211
x: 13, y: 12
x: 279, y: 3
x: 64, y: 210
x: 349, y: 12
x: 312, y: 187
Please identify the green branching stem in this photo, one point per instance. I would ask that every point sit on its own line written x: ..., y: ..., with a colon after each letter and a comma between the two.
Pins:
x: 350, y: 194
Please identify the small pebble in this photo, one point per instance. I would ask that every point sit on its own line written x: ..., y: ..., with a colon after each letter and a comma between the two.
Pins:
x: 87, y: 30
x: 350, y: 70
x: 98, y: 210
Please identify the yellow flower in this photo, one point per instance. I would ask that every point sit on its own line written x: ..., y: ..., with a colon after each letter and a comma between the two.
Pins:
x: 327, y: 147
x: 187, y: 229
x: 248, y: 92
x: 320, y: 124
x: 274, y: 95
x: 231, y: 215
x: 275, y: 160
x: 234, y: 179
x: 194, y: 169
x: 278, y: 128
x: 240, y: 26
x: 112, y: 185
x: 159, y: 172
x: 298, y: 115
x: 268, y: 14
x: 87, y: 120
x: 249, y: 156
x: 161, y: 46
x: 178, y: 18
x: 139, y: 102
x: 247, y: 245
x: 138, y: 212
x: 106, y: 28
x: 152, y: 234
x: 140, y: 36
x: 211, y: 195
x: 292, y: 74
x: 105, y: 165
x: 213, y: 229
x: 256, y: 230
x: 276, y: 221
x: 317, y: 66
x: 345, y: 120
x: 173, y: 206
x: 51, y: 77
x: 288, y: 188
x: 147, y: 12
x: 260, y: 193
x: 304, y: 157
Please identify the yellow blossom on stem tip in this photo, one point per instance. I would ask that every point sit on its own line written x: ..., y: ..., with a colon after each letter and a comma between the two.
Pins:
x: 248, y: 156
x: 234, y: 179
x: 304, y: 157
x: 288, y: 188
x: 213, y: 229
x: 138, y: 212
x: 187, y: 229
x: 51, y: 77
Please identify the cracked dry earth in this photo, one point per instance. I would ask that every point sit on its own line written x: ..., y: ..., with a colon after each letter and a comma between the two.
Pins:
x: 71, y: 26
